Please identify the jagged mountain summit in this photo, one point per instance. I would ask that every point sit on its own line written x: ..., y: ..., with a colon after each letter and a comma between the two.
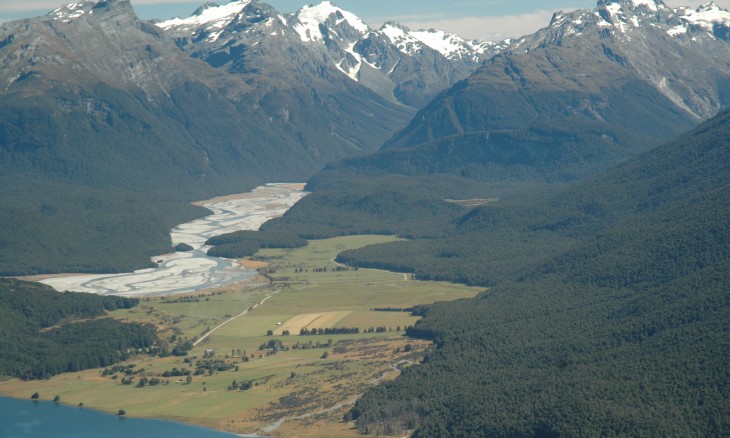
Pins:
x: 656, y: 41
x: 593, y: 88
x: 409, y: 67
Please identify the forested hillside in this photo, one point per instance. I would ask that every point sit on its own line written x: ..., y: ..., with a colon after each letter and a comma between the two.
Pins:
x: 623, y: 332
x: 609, y: 307
x: 43, y: 332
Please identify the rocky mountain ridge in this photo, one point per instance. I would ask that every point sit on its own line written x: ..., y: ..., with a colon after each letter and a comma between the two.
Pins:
x: 651, y: 36
x: 399, y: 64
x: 593, y: 88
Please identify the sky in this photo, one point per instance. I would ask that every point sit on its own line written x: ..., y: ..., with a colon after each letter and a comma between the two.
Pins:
x: 474, y: 19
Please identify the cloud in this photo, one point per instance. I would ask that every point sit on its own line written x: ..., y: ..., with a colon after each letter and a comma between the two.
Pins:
x: 487, y: 27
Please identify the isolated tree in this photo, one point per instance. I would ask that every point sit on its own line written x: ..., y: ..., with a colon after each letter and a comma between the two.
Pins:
x: 35, y: 396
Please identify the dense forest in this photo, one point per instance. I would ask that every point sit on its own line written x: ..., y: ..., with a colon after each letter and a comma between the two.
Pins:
x: 246, y: 243
x: 551, y: 358
x: 608, y: 308
x: 44, y: 332
x: 620, y: 329
x: 411, y: 207
x: 80, y: 229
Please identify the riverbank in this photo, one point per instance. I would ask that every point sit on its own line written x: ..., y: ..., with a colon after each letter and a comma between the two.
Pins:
x: 189, y: 271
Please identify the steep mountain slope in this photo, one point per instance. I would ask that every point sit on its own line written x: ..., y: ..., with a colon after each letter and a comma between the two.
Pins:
x: 99, y: 108
x: 97, y: 132
x: 109, y: 110
x: 301, y: 93
x: 622, y: 332
x: 323, y: 44
x: 593, y: 88
x: 97, y: 65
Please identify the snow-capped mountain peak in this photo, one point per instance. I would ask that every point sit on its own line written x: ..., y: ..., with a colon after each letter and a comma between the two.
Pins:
x: 633, y: 17
x: 629, y: 5
x: 450, y: 45
x: 210, y: 15
x: 705, y: 17
x: 311, y: 17
x: 636, y: 34
x: 401, y: 37
x: 629, y: 12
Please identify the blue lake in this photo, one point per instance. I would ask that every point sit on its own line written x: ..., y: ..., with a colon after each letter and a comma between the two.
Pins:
x: 27, y: 418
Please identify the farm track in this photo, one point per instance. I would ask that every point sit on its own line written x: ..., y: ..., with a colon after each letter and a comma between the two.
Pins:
x: 235, y: 317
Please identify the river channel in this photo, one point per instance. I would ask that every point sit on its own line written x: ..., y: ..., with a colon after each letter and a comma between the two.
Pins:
x: 194, y: 270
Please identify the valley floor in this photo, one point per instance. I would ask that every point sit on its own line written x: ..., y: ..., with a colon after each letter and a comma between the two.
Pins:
x: 303, y: 385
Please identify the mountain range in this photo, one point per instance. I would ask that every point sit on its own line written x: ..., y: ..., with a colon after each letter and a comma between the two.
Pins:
x: 593, y: 88
x: 108, y: 109
x: 581, y: 173
x: 328, y: 43
x: 98, y: 103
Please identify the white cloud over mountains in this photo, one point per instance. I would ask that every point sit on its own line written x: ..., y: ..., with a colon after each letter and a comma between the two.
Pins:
x: 488, y: 28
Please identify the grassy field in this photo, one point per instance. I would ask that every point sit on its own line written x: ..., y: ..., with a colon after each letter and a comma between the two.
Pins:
x: 307, y: 289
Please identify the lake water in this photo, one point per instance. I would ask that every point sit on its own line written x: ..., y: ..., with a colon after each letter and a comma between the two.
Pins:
x: 27, y: 418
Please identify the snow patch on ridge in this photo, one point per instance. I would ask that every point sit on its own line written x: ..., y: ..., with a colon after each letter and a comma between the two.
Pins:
x: 706, y: 16
x: 212, y: 16
x: 405, y: 42
x: 651, y: 4
x: 310, y: 17
x: 449, y: 45
x: 353, y: 72
x: 71, y: 11
x: 443, y: 42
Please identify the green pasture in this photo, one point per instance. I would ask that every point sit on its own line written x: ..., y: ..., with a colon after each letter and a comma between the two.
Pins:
x: 206, y: 401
